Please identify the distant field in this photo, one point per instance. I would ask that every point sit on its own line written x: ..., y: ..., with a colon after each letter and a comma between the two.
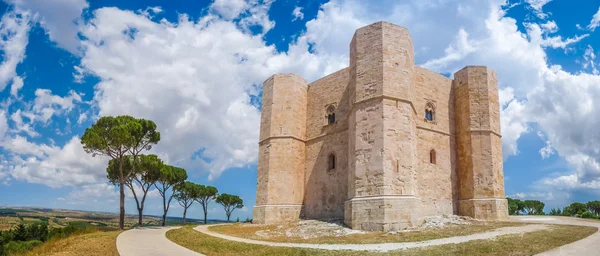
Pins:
x: 57, y: 218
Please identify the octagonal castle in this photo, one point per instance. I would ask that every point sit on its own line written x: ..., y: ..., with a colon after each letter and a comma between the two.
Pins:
x: 381, y: 144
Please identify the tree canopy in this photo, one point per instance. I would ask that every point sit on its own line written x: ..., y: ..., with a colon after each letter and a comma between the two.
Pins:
x: 170, y: 176
x: 116, y: 137
x: 533, y: 207
x: 206, y: 195
x: 230, y: 203
x: 185, y: 194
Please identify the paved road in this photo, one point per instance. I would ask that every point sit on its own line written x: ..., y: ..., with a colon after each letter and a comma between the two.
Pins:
x: 150, y: 241
x: 385, y: 247
x: 587, y: 246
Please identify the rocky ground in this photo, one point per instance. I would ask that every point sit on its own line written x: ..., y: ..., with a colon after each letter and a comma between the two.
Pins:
x: 307, y: 229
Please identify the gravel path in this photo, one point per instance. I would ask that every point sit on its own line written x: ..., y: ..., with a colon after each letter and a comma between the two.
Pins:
x: 150, y: 241
x: 587, y: 246
x: 386, y: 246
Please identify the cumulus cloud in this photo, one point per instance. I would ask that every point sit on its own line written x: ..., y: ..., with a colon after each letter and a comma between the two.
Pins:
x: 14, y: 37
x: 59, y: 18
x: 194, y: 79
x: 197, y: 79
x: 52, y: 165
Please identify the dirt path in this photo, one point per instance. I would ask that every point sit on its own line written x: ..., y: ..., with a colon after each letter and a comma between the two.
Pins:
x: 587, y: 246
x: 386, y: 246
x: 150, y: 241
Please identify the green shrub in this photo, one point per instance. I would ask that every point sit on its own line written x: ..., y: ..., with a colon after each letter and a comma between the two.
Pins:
x: 587, y: 215
x: 13, y: 247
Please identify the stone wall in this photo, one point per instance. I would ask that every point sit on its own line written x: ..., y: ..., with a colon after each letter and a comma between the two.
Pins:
x: 479, y: 149
x: 437, y: 182
x: 282, y: 150
x: 327, y: 190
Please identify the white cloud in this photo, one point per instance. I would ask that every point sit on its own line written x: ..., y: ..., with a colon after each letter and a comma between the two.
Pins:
x: 460, y: 48
x: 595, y: 22
x: 547, y: 150
x: 59, y: 18
x: 537, y: 35
x: 230, y: 9
x: 197, y: 93
x: 47, y: 104
x: 589, y: 57
x: 195, y: 79
x: 537, y: 7
x: 533, y: 196
x: 3, y: 124
x: 21, y: 126
x: 297, y: 13
x: 14, y: 36
x: 52, y: 165
x: 549, y: 27
x: 17, y: 84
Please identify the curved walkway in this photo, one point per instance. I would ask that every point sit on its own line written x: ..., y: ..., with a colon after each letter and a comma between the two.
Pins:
x: 386, y: 246
x: 150, y: 241
x: 587, y: 246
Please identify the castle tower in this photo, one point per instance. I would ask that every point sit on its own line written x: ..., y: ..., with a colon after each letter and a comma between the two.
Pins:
x: 479, y: 145
x: 281, y: 159
x: 382, y: 189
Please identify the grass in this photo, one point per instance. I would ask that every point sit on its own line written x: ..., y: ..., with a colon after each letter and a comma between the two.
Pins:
x: 249, y: 231
x: 515, y: 245
x: 92, y: 244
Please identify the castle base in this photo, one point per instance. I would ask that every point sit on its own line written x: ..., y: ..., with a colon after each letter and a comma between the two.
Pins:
x: 270, y: 214
x: 382, y: 213
x: 484, y: 209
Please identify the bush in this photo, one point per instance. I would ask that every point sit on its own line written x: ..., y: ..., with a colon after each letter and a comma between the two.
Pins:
x: 13, y: 247
x: 587, y: 215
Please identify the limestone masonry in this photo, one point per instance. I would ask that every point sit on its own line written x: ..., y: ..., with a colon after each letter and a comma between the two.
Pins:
x: 381, y: 144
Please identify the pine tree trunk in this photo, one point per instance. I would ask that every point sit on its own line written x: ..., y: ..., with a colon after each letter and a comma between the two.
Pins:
x: 164, y: 217
x: 140, y: 210
x: 122, y: 196
x: 205, y: 214
x: 184, y: 213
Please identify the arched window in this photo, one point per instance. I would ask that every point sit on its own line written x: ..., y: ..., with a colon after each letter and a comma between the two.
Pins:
x: 331, y: 114
x: 430, y: 112
x: 432, y: 156
x: 331, y: 162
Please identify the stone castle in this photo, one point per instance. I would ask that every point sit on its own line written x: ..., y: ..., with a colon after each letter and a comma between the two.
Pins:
x: 381, y: 144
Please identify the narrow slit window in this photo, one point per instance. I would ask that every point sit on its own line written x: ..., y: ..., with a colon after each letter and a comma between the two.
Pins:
x: 432, y: 156
x: 331, y: 162
x: 430, y: 112
x: 330, y: 115
x: 429, y: 115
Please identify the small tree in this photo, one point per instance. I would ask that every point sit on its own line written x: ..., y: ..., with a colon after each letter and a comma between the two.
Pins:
x: 170, y: 176
x: 185, y: 194
x: 230, y: 203
x: 555, y: 212
x: 575, y: 208
x: 205, y: 196
x: 144, y: 176
x: 515, y: 206
x: 111, y: 136
x: 594, y: 207
x: 533, y: 207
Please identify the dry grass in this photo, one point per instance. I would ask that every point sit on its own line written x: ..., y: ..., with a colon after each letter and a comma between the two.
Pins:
x: 249, y: 231
x: 97, y: 243
x: 515, y: 245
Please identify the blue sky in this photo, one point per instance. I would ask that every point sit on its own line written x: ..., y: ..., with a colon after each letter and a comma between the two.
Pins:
x: 195, y: 68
